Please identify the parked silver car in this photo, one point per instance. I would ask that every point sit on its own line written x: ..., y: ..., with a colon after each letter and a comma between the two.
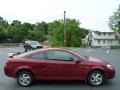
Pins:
x: 31, y: 45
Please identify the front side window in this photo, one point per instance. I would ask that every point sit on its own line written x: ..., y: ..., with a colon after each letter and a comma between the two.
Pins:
x: 60, y: 56
x: 34, y: 43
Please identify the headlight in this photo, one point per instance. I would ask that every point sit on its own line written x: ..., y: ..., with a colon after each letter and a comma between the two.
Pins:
x: 109, y: 66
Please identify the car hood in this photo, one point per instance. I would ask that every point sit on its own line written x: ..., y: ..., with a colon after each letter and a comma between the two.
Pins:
x: 94, y: 60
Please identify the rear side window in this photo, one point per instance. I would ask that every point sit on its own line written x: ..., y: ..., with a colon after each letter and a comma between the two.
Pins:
x: 60, y: 55
x: 40, y: 56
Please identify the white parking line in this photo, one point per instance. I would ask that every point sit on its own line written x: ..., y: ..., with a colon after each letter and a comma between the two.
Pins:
x: 8, y: 48
x: 11, y: 49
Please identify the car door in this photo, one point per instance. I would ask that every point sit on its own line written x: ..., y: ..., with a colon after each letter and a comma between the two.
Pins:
x: 39, y: 65
x: 61, y: 65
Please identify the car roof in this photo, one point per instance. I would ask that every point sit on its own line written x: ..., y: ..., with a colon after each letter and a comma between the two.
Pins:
x: 46, y: 49
x: 41, y: 50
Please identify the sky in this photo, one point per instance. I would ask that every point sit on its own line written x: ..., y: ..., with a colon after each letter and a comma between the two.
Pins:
x: 92, y: 14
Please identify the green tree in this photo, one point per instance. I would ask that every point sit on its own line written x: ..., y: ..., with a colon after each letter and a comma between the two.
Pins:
x: 114, y: 20
x: 3, y: 30
x: 15, y: 31
x: 3, y: 35
x: 55, y: 31
x: 44, y: 28
x: 40, y: 31
x: 3, y: 23
x: 19, y: 32
x: 74, y: 33
x: 26, y: 30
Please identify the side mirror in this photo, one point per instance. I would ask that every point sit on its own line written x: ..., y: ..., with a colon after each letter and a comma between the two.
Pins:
x: 77, y: 61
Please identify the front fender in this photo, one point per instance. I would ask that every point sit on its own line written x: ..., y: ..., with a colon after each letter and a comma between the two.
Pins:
x: 96, y: 68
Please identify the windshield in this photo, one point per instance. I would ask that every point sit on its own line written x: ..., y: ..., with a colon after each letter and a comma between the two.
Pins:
x: 34, y: 43
x: 81, y: 56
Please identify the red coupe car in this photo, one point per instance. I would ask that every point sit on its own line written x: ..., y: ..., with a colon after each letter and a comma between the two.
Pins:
x: 57, y: 64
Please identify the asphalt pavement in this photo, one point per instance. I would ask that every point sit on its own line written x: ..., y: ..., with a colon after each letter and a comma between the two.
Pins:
x: 112, y: 56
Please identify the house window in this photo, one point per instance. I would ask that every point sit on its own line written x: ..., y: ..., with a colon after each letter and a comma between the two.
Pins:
x: 104, y: 33
x: 98, y: 41
x: 99, y: 33
x: 109, y: 34
x: 111, y: 41
x: 103, y: 41
x: 119, y: 41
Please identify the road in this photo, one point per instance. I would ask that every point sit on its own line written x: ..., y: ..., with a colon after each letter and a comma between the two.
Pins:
x: 113, y: 56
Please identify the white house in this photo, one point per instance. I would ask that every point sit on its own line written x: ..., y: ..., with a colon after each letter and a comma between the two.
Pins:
x: 99, y: 39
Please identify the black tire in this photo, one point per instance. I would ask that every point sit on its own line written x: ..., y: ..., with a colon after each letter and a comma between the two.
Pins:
x: 25, y: 50
x: 25, y: 78
x: 96, y: 78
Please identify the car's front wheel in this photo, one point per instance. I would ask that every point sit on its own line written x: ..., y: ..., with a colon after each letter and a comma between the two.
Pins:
x: 25, y: 78
x: 96, y: 78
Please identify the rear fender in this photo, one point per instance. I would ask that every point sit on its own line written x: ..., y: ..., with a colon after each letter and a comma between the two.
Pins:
x: 23, y: 68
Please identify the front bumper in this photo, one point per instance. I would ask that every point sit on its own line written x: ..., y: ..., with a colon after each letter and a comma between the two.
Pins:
x: 8, y: 71
x: 110, y: 73
x: 37, y: 47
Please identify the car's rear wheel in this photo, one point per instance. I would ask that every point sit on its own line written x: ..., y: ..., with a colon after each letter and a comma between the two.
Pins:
x: 25, y: 78
x: 96, y: 78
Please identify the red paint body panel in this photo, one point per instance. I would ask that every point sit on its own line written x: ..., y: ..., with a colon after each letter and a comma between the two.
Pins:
x: 55, y: 70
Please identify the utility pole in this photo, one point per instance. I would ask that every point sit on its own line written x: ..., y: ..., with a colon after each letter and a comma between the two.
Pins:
x: 64, y: 29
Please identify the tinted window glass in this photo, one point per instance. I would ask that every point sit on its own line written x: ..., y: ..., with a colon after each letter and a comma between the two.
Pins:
x: 34, y: 43
x: 60, y: 55
x: 40, y: 56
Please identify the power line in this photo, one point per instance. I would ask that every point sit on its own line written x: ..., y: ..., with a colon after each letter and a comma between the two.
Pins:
x: 85, y: 18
